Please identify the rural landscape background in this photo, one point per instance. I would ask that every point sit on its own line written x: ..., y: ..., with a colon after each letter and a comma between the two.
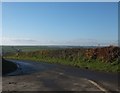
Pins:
x: 42, y: 39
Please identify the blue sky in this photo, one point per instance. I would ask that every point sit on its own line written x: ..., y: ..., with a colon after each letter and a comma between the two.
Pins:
x: 60, y: 23
x: 60, y: 0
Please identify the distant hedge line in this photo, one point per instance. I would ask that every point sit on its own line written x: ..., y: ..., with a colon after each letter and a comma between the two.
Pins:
x: 105, y: 54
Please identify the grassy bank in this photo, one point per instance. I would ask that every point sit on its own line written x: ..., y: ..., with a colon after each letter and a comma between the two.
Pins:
x: 100, y: 59
x: 81, y: 63
x: 8, y: 66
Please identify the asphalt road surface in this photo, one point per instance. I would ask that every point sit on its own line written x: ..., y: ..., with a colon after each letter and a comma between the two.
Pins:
x: 40, y: 76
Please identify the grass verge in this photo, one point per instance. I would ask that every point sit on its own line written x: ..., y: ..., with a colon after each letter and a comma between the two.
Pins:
x: 80, y: 63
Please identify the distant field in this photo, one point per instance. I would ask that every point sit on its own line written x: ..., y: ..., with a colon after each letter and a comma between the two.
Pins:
x: 25, y: 48
x: 13, y: 49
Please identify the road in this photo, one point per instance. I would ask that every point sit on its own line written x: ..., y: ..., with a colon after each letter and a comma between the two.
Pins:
x: 40, y: 76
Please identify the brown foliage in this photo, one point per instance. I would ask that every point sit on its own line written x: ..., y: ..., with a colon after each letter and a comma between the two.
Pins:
x: 107, y: 54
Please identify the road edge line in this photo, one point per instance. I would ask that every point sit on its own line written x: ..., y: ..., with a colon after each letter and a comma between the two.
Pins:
x: 98, y: 86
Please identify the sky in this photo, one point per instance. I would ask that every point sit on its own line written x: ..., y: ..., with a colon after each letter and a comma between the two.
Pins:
x: 64, y: 23
x: 60, y: 0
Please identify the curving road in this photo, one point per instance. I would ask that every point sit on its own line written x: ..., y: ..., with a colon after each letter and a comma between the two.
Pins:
x: 40, y: 76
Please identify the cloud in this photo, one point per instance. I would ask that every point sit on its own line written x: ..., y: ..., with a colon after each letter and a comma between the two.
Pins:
x: 24, y: 40
x: 88, y: 42
x: 18, y: 41
x: 75, y: 42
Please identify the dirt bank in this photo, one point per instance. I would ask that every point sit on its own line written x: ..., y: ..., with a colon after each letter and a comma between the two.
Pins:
x: 8, y: 66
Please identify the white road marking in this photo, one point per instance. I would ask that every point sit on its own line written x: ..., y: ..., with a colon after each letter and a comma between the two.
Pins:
x: 98, y: 86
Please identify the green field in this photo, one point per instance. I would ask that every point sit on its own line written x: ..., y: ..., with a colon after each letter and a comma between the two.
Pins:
x: 7, y: 49
x: 25, y: 48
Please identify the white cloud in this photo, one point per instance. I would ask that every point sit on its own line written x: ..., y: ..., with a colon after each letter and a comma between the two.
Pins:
x: 91, y: 42
x: 82, y: 42
x: 18, y: 41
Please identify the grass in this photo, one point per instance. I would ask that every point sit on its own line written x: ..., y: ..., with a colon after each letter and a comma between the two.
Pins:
x: 8, y: 66
x: 96, y: 65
